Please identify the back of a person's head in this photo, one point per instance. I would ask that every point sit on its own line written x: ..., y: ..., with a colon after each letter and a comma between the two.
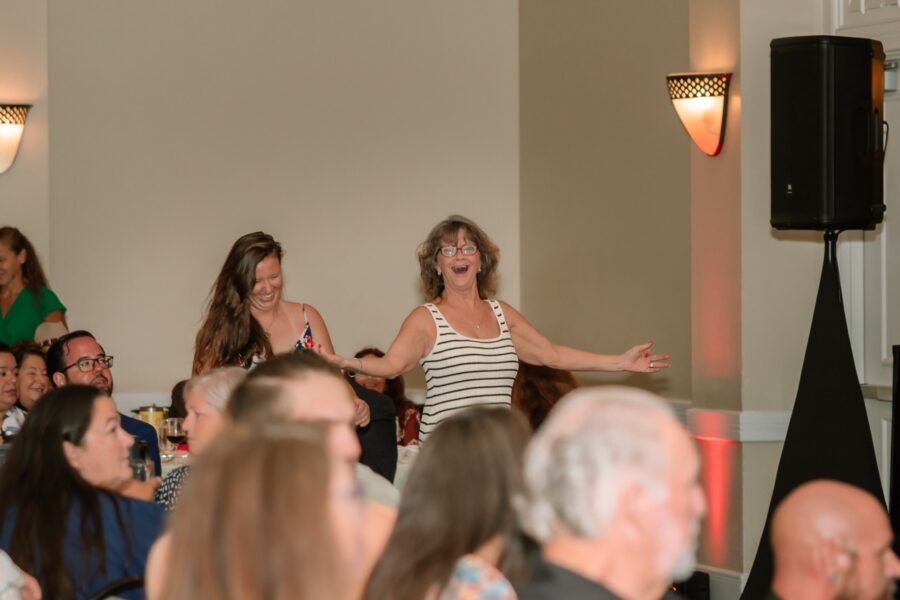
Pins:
x: 56, y: 353
x: 832, y: 538
x: 37, y: 482
x: 253, y: 520
x: 215, y: 386
x: 263, y: 397
x: 293, y: 365
x: 459, y: 494
x: 594, y: 443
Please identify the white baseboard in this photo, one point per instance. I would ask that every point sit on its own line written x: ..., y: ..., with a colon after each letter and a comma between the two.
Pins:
x: 739, y: 426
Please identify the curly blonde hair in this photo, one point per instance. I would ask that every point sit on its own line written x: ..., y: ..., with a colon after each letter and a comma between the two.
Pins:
x: 446, y: 232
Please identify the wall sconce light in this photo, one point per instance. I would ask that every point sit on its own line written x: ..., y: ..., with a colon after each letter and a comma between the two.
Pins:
x: 701, y: 101
x: 12, y: 124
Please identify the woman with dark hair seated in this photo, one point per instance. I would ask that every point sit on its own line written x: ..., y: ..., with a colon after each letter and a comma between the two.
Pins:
x: 457, y: 534
x: 33, y: 383
x: 9, y: 381
x: 61, y: 518
x: 395, y: 389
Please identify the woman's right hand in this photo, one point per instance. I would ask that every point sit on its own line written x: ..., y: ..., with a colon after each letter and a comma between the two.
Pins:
x: 335, y: 360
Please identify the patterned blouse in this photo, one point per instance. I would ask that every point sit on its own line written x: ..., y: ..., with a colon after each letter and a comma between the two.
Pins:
x: 167, y: 494
x: 474, y: 578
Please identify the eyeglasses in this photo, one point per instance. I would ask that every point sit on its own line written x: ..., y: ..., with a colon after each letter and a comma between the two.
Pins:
x: 467, y: 250
x: 86, y: 365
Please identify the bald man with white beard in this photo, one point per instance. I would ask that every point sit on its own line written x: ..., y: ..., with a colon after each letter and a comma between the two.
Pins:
x: 832, y: 541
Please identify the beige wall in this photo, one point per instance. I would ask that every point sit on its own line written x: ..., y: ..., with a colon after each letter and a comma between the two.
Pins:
x: 756, y: 287
x: 24, y: 193
x: 779, y: 270
x: 605, y: 175
x: 716, y: 220
x: 346, y: 129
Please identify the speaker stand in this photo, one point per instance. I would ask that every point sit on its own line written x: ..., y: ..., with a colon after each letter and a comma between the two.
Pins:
x: 828, y: 436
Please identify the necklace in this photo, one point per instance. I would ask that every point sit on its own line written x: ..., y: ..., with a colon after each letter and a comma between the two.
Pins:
x: 476, y: 324
x: 272, y: 322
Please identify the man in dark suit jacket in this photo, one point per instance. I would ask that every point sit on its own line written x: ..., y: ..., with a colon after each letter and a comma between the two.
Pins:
x: 613, y: 496
x: 77, y: 358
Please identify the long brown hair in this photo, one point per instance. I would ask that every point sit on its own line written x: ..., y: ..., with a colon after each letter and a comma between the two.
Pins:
x: 459, y: 495
x: 32, y: 272
x: 446, y: 232
x: 230, y: 335
x: 537, y: 389
x: 238, y: 530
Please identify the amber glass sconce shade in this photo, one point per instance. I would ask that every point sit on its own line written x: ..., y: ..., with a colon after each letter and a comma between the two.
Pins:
x: 701, y: 101
x: 12, y: 125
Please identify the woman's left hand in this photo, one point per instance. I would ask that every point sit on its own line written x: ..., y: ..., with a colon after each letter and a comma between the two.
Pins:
x: 638, y: 359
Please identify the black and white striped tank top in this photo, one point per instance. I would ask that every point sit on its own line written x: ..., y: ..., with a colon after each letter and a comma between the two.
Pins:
x: 461, y: 372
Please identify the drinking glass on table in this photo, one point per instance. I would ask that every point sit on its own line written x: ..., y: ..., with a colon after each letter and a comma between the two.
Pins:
x: 173, y: 429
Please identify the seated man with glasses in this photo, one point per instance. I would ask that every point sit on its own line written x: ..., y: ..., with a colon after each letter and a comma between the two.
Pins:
x: 77, y: 358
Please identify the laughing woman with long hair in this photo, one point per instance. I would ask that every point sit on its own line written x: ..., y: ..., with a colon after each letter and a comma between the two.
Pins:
x: 247, y: 319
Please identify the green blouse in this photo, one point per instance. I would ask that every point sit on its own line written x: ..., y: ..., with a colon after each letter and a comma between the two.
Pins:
x: 25, y: 315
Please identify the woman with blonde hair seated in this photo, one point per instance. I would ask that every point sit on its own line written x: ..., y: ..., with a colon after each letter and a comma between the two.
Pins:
x: 205, y: 399
x: 265, y: 514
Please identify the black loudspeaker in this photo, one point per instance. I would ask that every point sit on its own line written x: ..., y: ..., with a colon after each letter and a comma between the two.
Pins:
x: 827, y: 143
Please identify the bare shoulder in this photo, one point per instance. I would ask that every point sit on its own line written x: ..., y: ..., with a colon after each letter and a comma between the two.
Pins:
x: 419, y: 318
x: 511, y: 313
x: 295, y: 310
x: 419, y: 325
x: 419, y: 312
